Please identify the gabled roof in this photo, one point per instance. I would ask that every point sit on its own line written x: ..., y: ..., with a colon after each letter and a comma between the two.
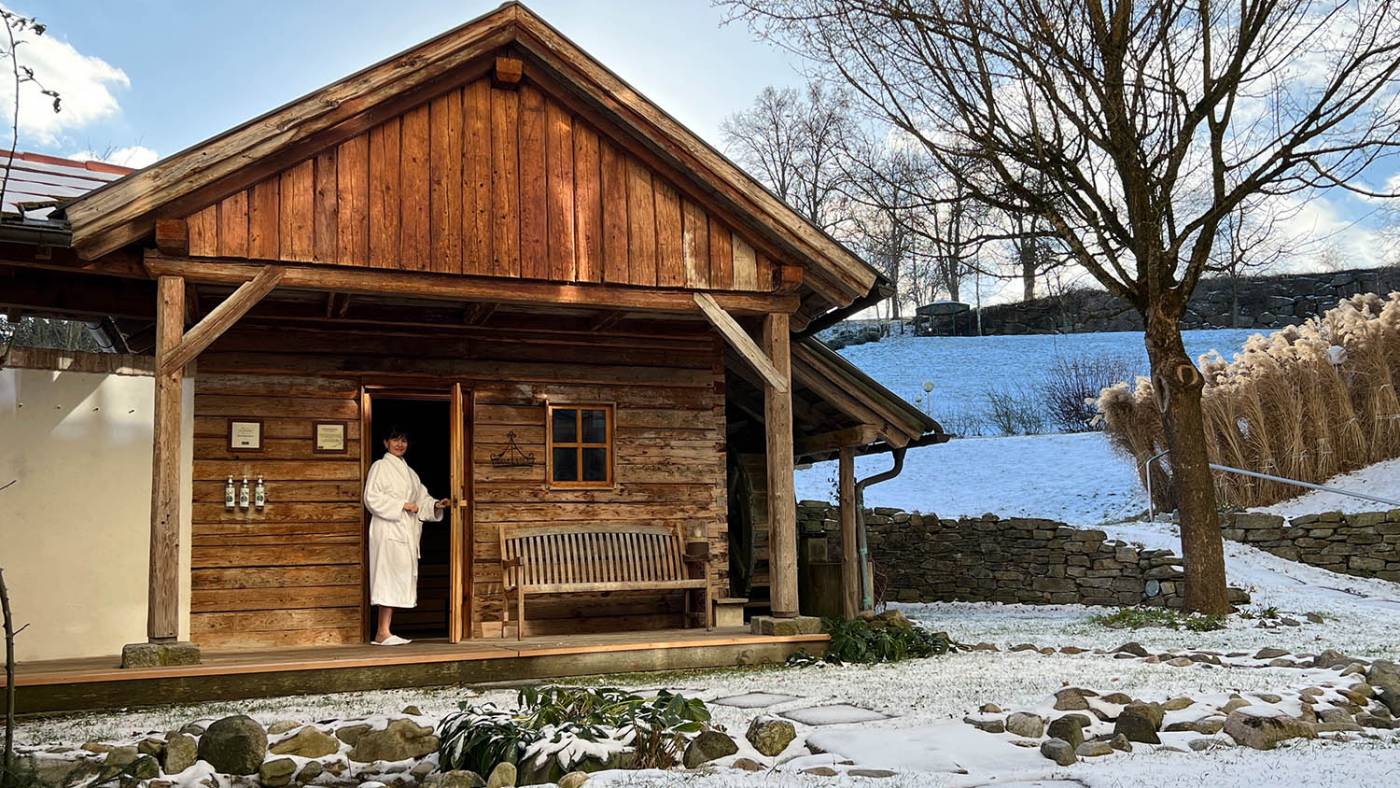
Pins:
x: 125, y: 211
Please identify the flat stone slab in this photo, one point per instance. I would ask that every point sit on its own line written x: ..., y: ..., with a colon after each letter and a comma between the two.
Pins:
x: 836, y: 714
x: 756, y: 700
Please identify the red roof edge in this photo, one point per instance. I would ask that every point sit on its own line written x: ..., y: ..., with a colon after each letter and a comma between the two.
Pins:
x: 43, y: 158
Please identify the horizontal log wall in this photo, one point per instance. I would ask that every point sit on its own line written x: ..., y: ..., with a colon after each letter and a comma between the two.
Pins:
x: 291, y: 573
x: 490, y: 182
x: 669, y: 400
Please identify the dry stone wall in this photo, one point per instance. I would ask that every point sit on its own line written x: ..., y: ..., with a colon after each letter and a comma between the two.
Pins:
x: 1366, y: 544
x: 922, y: 558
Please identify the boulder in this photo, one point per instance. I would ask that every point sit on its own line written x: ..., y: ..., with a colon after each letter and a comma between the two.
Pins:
x: 1059, y: 751
x: 573, y: 780
x: 277, y: 772
x: 1071, y: 699
x: 1132, y: 648
x: 1206, y: 725
x: 986, y: 723
x: 770, y: 736
x: 1068, y: 729
x: 1021, y: 723
x: 234, y: 745
x: 1121, y: 744
x: 457, y: 778
x: 50, y: 770
x: 748, y: 765
x: 121, y: 757
x: 1093, y: 749
x: 875, y: 773
x: 1384, y: 678
x: 1331, y: 658
x: 400, y: 740
x: 181, y: 751
x: 310, y: 771
x: 1140, y: 722
x: 708, y: 746
x: 1263, y: 727
x: 307, y: 743
x: 282, y: 726
x: 351, y: 733
x: 821, y: 771
x: 503, y: 776
x: 1178, y: 703
x: 1268, y: 652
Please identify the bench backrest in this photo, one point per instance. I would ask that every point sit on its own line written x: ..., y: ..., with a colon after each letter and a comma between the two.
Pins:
x: 580, y: 554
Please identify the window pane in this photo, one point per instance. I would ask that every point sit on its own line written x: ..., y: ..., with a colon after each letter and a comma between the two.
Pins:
x: 565, y: 425
x: 595, y: 426
x: 566, y: 465
x: 595, y: 465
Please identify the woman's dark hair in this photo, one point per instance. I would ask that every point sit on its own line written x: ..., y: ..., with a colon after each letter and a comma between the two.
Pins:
x: 396, y: 432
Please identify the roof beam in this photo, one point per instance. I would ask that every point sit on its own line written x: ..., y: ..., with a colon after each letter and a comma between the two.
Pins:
x: 742, y: 343
x: 455, y: 287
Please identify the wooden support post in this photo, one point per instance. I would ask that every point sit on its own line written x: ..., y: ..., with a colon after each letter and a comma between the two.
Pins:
x: 163, y: 599
x: 850, y: 557
x: 782, y: 497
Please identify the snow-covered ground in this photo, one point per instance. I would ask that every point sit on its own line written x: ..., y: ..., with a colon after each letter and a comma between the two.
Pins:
x: 962, y: 369
x: 1075, y: 478
x: 1381, y: 480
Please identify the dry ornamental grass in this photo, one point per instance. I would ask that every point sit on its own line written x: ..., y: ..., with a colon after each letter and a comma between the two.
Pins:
x: 1306, y: 402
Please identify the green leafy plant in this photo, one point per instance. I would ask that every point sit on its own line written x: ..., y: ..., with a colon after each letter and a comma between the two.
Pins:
x: 888, y: 637
x: 570, y: 724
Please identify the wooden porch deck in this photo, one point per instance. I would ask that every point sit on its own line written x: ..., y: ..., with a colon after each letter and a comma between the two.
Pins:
x: 100, y: 683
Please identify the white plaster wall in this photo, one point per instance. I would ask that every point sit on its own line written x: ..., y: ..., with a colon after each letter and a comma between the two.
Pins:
x: 75, y: 525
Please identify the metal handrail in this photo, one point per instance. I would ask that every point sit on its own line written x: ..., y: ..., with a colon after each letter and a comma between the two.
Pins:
x: 1151, y: 514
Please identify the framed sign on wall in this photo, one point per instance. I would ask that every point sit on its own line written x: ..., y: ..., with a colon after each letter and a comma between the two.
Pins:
x: 245, y: 434
x: 329, y: 437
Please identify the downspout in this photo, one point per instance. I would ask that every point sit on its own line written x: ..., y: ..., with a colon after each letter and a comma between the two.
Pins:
x: 867, y: 583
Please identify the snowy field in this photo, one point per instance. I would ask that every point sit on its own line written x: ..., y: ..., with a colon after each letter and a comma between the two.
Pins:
x: 963, y: 368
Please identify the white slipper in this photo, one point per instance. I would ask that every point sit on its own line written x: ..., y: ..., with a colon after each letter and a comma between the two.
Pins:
x: 392, y: 640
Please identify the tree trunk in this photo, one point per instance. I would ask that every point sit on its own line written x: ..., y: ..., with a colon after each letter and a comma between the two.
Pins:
x: 7, y: 776
x: 1177, y: 386
x: 1028, y: 256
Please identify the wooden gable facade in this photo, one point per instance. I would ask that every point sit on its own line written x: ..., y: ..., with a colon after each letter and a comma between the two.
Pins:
x: 489, y: 180
x: 495, y: 225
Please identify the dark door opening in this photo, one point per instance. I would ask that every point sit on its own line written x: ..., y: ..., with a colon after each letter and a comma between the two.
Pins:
x: 427, y: 422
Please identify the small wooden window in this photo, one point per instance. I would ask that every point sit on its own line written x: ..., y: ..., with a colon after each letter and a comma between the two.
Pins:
x: 580, y: 445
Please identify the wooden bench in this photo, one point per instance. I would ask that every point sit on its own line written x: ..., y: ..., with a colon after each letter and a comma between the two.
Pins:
x: 585, y: 558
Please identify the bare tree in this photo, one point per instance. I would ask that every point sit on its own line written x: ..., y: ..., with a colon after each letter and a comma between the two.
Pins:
x: 792, y: 142
x: 17, y: 25
x: 1253, y: 239
x: 1149, y: 123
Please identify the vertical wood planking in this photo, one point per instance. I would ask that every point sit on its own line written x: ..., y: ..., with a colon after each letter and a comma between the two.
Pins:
x: 413, y: 168
x: 445, y: 176
x: 203, y: 228
x: 505, y: 182
x: 613, y: 179
x: 670, y: 268
x: 764, y: 269
x: 588, y: 205
x: 559, y: 147
x: 384, y: 194
x: 233, y: 225
x: 263, y: 220
x: 476, y: 178
x: 721, y: 256
x: 298, y: 190
x: 695, y: 245
x: 534, y: 217
x: 326, y: 226
x: 641, y: 223
x: 352, y: 198
x: 745, y: 265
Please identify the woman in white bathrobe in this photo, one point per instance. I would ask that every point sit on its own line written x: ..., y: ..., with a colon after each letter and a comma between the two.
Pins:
x: 399, y: 505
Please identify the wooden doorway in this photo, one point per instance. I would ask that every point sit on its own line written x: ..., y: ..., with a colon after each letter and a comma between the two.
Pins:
x: 440, y: 449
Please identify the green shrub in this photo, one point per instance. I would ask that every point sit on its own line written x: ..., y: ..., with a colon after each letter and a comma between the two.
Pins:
x: 1167, y: 618
x: 568, y: 725
x: 888, y: 637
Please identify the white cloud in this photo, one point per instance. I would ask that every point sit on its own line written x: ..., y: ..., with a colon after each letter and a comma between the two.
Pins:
x: 84, y: 82
x: 137, y: 156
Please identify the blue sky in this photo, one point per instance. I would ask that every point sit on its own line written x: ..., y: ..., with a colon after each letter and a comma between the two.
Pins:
x: 194, y: 69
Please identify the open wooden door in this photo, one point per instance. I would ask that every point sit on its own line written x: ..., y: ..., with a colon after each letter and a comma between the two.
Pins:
x: 459, y: 622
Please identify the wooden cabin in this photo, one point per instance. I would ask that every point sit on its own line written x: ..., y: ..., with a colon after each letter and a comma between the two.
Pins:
x: 586, y: 317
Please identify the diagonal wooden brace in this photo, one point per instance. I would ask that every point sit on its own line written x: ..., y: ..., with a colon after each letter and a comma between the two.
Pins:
x: 742, y: 343
x: 221, y: 318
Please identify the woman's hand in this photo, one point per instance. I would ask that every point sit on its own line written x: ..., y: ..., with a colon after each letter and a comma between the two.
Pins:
x: 411, y: 507
x: 442, y: 504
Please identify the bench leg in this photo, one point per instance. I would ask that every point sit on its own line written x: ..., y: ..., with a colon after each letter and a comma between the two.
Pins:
x: 709, y: 608
x: 519, y: 612
x: 505, y: 610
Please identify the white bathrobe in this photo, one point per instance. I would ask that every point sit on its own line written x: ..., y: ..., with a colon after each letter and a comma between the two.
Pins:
x: 394, y: 532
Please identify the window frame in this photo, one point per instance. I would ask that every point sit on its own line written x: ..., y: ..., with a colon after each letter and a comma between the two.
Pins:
x: 609, y: 445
